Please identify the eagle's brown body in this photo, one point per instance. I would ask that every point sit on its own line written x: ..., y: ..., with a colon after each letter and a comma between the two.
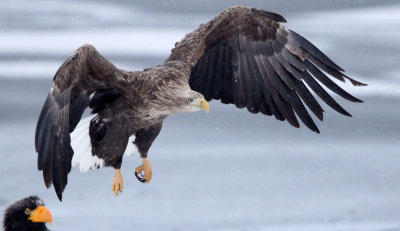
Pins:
x: 243, y: 56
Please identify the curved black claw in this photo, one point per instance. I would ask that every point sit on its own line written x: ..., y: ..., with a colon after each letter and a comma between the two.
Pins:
x: 140, y: 177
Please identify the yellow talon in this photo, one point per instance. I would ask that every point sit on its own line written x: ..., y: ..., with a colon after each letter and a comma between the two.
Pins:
x: 117, y: 184
x: 146, y: 168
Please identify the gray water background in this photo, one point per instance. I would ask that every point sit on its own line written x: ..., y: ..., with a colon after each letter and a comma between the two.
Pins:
x: 228, y: 170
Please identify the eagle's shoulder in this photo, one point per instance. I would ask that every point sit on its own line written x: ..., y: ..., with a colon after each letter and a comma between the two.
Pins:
x: 168, y: 71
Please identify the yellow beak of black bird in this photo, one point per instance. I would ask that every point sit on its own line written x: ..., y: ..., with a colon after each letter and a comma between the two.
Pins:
x: 27, y: 214
x: 40, y: 214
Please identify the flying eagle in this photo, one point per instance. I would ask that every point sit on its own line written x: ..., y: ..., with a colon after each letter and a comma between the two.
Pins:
x: 243, y: 56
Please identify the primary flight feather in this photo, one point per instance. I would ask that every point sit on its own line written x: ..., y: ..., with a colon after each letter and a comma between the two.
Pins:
x: 243, y: 56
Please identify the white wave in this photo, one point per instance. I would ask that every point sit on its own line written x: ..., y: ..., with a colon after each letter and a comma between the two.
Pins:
x: 148, y: 42
x: 43, y: 69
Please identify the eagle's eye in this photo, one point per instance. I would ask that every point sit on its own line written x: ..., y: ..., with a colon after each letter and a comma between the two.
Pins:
x: 190, y: 100
x: 27, y: 211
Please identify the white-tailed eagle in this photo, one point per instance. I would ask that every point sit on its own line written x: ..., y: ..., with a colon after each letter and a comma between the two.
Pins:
x: 243, y: 56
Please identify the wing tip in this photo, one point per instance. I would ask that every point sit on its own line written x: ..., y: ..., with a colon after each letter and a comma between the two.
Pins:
x: 345, y: 113
x: 356, y: 83
x: 353, y: 99
x: 312, y: 128
x: 59, y: 195
x: 59, y: 189
x: 320, y: 116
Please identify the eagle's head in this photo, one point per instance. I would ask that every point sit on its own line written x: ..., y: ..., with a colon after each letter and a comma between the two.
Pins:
x: 27, y: 214
x: 191, y: 101
x: 176, y: 96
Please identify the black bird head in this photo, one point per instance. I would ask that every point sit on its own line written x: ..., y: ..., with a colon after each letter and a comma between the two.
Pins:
x: 27, y: 214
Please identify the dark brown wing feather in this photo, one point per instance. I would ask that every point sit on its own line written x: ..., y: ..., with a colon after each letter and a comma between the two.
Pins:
x: 245, y: 57
x: 83, y: 73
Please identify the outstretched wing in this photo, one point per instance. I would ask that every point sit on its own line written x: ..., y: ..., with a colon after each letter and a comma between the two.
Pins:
x: 84, y: 73
x: 244, y: 56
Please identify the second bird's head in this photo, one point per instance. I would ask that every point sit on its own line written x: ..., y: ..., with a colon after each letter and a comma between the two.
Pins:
x: 27, y: 214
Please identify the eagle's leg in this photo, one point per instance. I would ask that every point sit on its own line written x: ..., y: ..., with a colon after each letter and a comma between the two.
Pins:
x: 143, y: 140
x: 118, y: 183
x: 109, y: 141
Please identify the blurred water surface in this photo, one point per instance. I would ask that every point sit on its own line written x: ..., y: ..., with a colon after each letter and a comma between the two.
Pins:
x: 228, y: 170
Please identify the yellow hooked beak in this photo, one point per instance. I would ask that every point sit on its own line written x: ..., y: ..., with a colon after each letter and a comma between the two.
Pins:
x: 41, y: 214
x: 204, y: 105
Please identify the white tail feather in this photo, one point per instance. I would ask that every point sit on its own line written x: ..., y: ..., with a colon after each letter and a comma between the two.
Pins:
x: 80, y: 143
x: 131, y: 147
